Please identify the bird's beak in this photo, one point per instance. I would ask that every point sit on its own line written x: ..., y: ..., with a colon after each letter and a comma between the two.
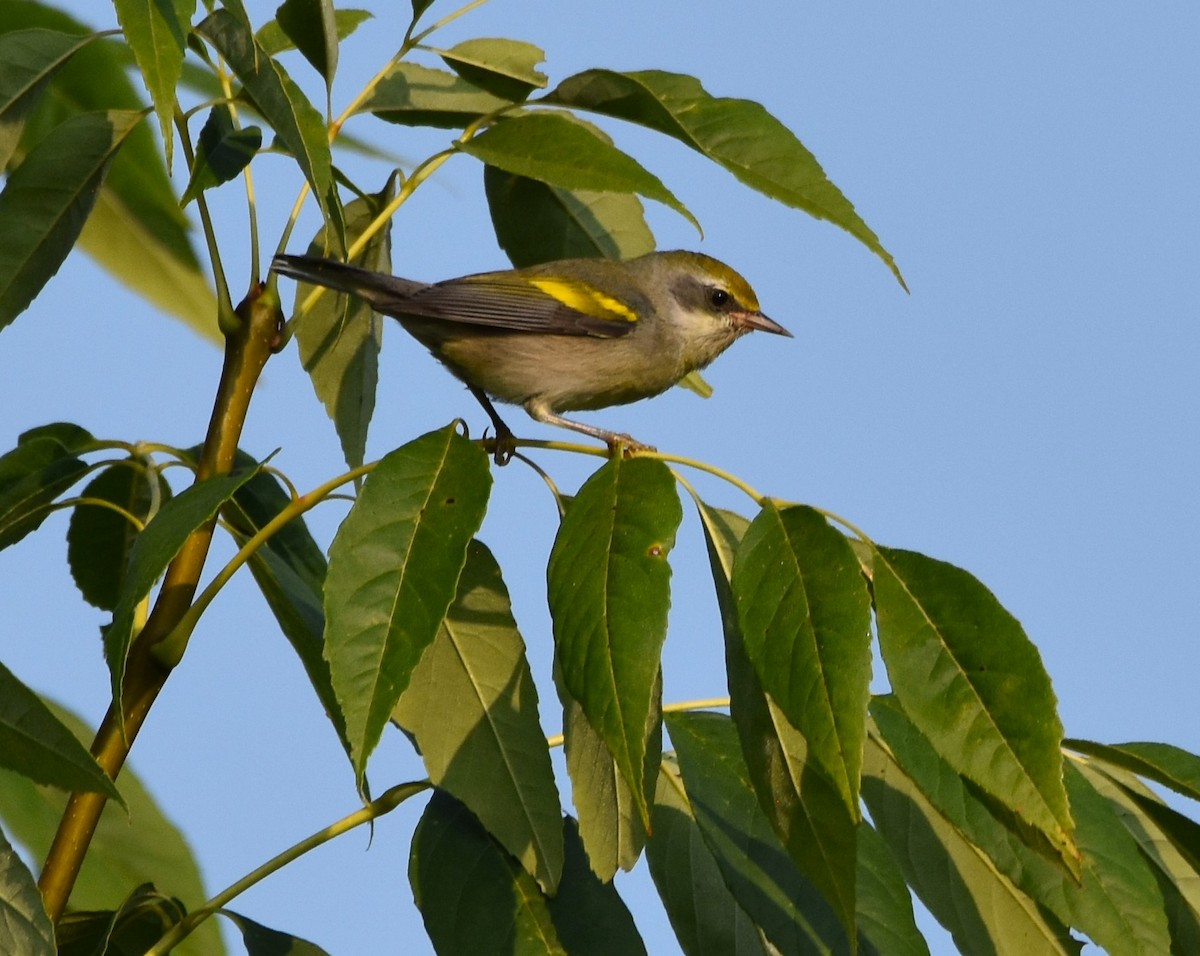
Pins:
x: 756, y: 320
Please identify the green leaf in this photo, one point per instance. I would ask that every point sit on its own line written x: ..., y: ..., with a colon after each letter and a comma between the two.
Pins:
x: 33, y: 742
x: 589, y: 917
x: 24, y: 927
x: 472, y: 706
x: 74, y: 438
x: 153, y: 550
x: 32, y: 475
x: 414, y: 95
x: 222, y: 152
x: 738, y: 134
x: 99, y: 539
x: 504, y: 68
x: 792, y: 914
x: 1171, y: 766
x: 705, y: 916
x: 133, y: 927
x: 1116, y: 874
x: 129, y: 849
x: 474, y: 897
x: 136, y: 230
x: 557, y: 150
x: 804, y: 807
x: 263, y: 941
x: 609, y: 590
x: 312, y: 27
x: 290, y: 571
x: 393, y: 570
x: 974, y: 685
x: 282, y: 103
x: 419, y: 7
x: 1111, y: 869
x: 340, y: 336
x: 132, y: 238
x: 272, y: 40
x: 979, y: 906
x: 536, y: 222
x: 238, y: 9
x: 1169, y: 840
x: 48, y: 197
x: 886, y: 923
x: 805, y: 616
x: 156, y: 32
x: 28, y: 59
x: 610, y: 825
x: 694, y: 382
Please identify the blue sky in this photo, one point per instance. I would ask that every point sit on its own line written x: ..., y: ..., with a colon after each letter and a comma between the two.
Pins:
x: 1028, y: 412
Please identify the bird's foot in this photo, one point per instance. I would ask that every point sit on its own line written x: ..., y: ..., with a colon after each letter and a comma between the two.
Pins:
x: 504, y: 446
x: 626, y: 445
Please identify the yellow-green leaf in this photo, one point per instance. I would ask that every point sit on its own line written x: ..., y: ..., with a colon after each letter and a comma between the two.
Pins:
x: 739, y: 134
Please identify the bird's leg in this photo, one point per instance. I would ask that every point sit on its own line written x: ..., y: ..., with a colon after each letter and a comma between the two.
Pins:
x: 615, y: 440
x: 505, y: 446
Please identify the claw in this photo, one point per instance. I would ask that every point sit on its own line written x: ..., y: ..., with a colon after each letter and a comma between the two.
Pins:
x: 626, y: 445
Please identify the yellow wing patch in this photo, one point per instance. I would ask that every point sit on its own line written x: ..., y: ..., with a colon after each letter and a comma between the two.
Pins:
x: 583, y: 298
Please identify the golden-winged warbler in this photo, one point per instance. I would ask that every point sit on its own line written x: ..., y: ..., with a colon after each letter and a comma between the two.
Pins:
x: 572, y: 335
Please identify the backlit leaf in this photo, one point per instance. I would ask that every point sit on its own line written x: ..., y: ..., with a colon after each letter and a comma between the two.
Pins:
x: 273, y: 40
x: 282, y: 103
x: 1109, y: 861
x: 610, y: 823
x: 415, y: 95
x: 980, y: 907
x: 47, y: 199
x: 1168, y: 840
x: 555, y: 150
x: 339, y: 336
x: 793, y: 915
x: 130, y: 848
x: 136, y: 230
x: 505, y: 68
x: 706, y: 918
x: 738, y: 134
x: 156, y: 31
x: 536, y: 222
x: 472, y: 706
x: 28, y: 59
x: 1171, y: 766
x: 34, y: 743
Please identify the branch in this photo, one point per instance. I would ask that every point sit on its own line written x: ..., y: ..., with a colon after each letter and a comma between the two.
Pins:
x: 247, y: 348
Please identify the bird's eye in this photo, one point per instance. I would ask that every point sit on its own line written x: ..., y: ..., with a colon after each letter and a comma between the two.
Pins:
x: 718, y: 297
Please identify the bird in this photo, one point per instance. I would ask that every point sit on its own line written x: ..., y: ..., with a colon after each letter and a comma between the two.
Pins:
x: 564, y: 336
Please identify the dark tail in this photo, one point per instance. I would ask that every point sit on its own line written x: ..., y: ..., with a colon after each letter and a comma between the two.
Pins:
x: 384, y: 293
